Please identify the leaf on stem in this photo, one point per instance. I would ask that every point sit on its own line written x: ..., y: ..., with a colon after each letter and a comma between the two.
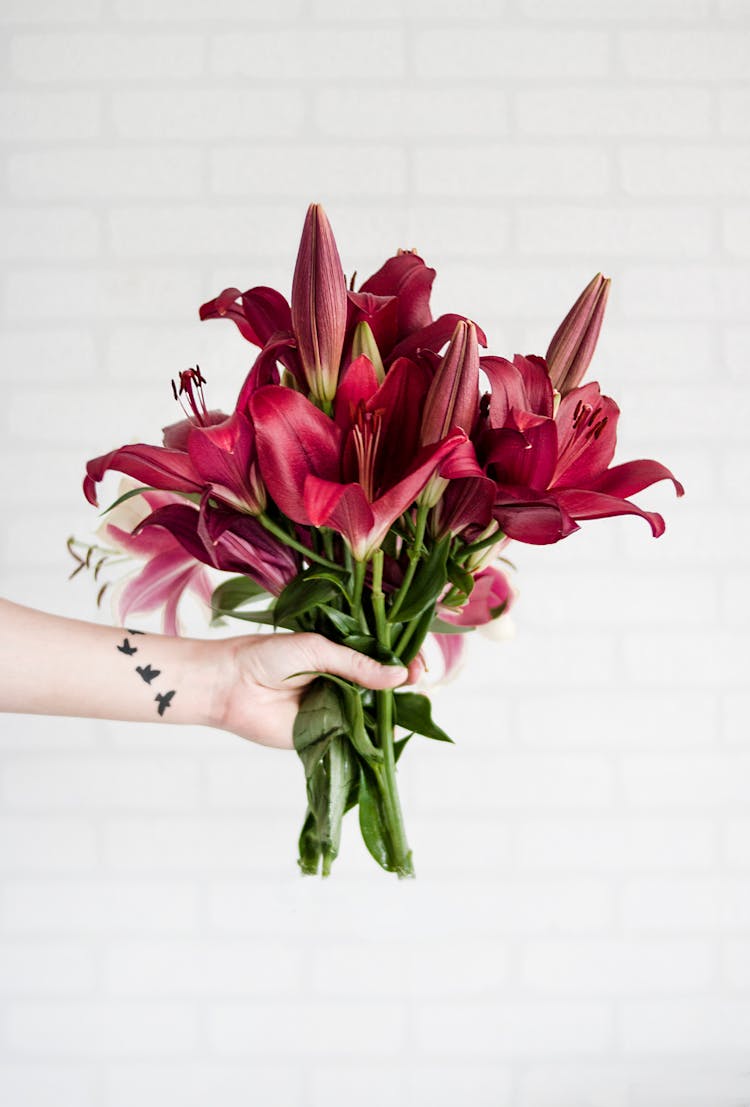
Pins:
x: 414, y: 712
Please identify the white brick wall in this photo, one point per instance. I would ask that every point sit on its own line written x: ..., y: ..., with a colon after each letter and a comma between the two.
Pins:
x: 579, y: 932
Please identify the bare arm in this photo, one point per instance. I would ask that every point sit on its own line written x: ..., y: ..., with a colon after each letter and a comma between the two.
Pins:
x: 50, y: 665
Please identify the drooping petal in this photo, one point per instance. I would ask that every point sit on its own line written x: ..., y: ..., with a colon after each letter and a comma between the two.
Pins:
x: 171, y: 470
x: 241, y: 544
x: 319, y: 304
x: 466, y: 502
x: 181, y: 522
x: 344, y: 508
x: 452, y: 647
x: 294, y: 439
x: 583, y: 504
x: 633, y: 476
x: 152, y: 586
x: 175, y: 435
x: 257, y: 313
x: 527, y: 519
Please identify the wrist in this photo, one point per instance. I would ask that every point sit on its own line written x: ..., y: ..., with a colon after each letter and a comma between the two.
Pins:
x: 207, y: 678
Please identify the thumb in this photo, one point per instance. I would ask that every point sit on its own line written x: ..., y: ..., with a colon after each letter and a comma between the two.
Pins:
x: 329, y: 657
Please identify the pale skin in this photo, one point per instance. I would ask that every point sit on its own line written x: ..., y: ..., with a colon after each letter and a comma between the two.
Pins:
x: 51, y: 665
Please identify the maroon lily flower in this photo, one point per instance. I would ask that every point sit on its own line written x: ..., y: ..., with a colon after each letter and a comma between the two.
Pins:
x: 358, y: 472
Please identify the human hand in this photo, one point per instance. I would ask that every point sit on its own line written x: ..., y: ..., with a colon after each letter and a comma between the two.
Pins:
x: 256, y: 695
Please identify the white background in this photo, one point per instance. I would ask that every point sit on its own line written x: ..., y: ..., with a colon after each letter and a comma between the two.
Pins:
x: 579, y: 931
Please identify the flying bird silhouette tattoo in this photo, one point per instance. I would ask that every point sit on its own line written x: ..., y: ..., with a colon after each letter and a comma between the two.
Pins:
x: 165, y: 700
x: 147, y: 673
x: 127, y: 648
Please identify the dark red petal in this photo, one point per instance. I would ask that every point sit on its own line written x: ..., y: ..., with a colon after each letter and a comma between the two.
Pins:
x: 583, y: 504
x: 294, y: 439
x: 586, y: 445
x: 538, y: 522
x: 171, y: 470
x: 222, y: 455
x: 536, y: 383
x: 381, y: 315
x: 258, y: 312
x: 432, y: 337
x: 358, y: 384
x: 407, y: 277
x: 343, y: 507
x: 181, y: 521
x: 401, y: 398
x: 633, y: 476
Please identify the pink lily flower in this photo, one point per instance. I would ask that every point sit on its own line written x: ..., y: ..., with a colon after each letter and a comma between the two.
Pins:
x: 355, y: 473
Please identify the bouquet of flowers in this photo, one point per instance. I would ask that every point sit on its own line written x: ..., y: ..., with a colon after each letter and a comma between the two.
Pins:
x: 368, y: 480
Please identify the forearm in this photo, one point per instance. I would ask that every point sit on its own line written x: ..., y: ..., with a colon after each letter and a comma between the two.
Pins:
x: 50, y: 665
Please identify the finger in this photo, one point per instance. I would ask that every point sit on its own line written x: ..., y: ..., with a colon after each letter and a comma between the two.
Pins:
x: 417, y: 669
x: 329, y: 657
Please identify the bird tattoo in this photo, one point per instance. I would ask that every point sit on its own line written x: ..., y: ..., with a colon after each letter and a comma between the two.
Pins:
x: 147, y: 673
x: 127, y: 648
x: 164, y: 700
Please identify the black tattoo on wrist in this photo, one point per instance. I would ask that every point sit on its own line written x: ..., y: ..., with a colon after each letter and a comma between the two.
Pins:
x: 127, y: 648
x: 147, y: 673
x: 164, y: 700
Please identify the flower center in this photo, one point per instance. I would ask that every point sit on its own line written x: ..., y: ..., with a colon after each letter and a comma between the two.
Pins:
x: 366, y: 434
x: 193, y: 403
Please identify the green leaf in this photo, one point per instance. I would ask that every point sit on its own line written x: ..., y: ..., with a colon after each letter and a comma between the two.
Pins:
x: 328, y: 789
x: 424, y: 623
x: 372, y: 820
x: 343, y: 623
x: 353, y: 720
x: 429, y: 581
x: 262, y: 618
x: 400, y: 745
x: 460, y: 578
x: 365, y: 643
x: 194, y: 497
x: 439, y: 626
x: 310, y: 847
x: 319, y: 717
x: 414, y: 712
x: 234, y: 592
x: 301, y: 595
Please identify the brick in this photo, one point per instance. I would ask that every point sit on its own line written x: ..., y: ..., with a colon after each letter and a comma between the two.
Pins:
x: 156, y: 292
x: 458, y: 844
x: 591, y: 10
x: 684, y: 1026
x: 606, y: 719
x: 615, y: 232
x: 521, y: 169
x: 194, y: 842
x: 463, y: 54
x: 33, y: 1085
x: 521, y: 1028
x: 376, y: 1083
x: 105, y: 56
x: 48, y: 354
x: 31, y: 116
x: 376, y: 171
x: 736, y: 231
x: 266, y: 780
x: 25, y: 733
x: 702, y: 659
x: 635, y: 842
x: 604, y: 966
x: 318, y: 1028
x: 672, y: 904
x: 290, y: 54
x: 198, y: 231
x: 736, y: 721
x: 694, y: 55
x: 51, y: 844
x: 411, y: 112
x: 210, y: 114
x: 72, y: 782
x: 442, y: 10
x: 736, y: 345
x: 737, y: 841
x: 214, y: 11
x: 196, y: 1082
x: 136, y: 171
x: 102, y: 906
x: 736, y: 475
x: 736, y: 599
x: 688, y: 291
x: 688, y: 1085
x: 694, y: 781
x: 512, y: 781
x: 65, y: 234
x: 100, y: 1029
x: 734, y: 109
x: 655, y: 352
x: 172, y: 968
x: 545, y: 1084
x: 686, y: 171
x: 613, y: 112
x: 46, y: 968
x: 443, y: 1085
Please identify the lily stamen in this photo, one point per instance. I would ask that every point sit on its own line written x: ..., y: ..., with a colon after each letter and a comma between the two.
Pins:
x: 191, y: 385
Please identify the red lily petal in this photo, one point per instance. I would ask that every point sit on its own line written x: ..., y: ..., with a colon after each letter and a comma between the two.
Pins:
x: 633, y: 476
x: 587, y: 433
x: 432, y: 337
x: 536, y: 521
x: 259, y: 312
x: 171, y: 470
x: 181, y: 521
x: 582, y: 504
x: 358, y: 384
x: 343, y: 507
x: 241, y: 544
x: 379, y: 312
x: 223, y: 454
x: 452, y: 647
x: 175, y: 435
x: 465, y: 502
x: 294, y: 439
x: 523, y: 453
x: 160, y: 578
x: 403, y: 391
x: 536, y: 383
x: 406, y: 276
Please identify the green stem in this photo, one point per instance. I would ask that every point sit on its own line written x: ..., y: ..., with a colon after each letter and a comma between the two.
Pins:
x: 386, y: 773
x: 360, y: 569
x: 288, y: 540
x: 415, y: 553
